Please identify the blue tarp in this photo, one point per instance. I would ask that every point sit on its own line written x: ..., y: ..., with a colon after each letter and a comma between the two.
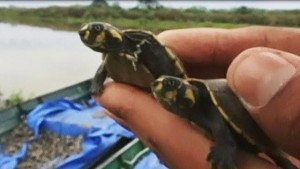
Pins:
x: 66, y: 117
x: 11, y: 161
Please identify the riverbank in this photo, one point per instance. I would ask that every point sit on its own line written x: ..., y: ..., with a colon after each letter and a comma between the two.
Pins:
x: 36, y: 61
x: 156, y: 20
x: 38, y: 44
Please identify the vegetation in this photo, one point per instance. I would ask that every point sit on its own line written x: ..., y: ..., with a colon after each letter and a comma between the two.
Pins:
x: 156, y: 19
x: 2, y: 102
x: 13, y: 99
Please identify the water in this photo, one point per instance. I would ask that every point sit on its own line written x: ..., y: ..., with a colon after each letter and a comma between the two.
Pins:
x: 267, y: 4
x: 39, y: 60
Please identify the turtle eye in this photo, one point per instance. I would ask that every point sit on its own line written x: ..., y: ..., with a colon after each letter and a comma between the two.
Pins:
x: 97, y: 28
x: 170, y: 83
x: 167, y: 82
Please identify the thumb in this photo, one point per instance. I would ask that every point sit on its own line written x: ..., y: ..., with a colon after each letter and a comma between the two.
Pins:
x: 268, y: 83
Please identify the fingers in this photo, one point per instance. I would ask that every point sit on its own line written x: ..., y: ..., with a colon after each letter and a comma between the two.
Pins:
x: 207, y: 52
x: 268, y: 82
x: 162, y: 131
x: 173, y: 139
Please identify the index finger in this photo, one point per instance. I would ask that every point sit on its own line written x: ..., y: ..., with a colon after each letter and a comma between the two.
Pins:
x: 208, y: 52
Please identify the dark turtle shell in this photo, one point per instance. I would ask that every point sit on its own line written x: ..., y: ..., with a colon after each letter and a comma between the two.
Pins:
x: 134, y: 57
x: 232, y: 110
x: 239, y: 119
x: 213, y: 106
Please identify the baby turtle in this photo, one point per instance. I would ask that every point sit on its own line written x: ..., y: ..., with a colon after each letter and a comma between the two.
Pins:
x: 134, y: 57
x: 211, y: 105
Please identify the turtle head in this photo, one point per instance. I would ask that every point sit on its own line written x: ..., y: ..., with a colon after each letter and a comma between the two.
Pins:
x: 175, y: 94
x: 101, y: 37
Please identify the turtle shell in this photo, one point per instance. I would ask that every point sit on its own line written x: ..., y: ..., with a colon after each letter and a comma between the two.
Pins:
x: 121, y: 70
x: 154, y: 59
x: 235, y: 114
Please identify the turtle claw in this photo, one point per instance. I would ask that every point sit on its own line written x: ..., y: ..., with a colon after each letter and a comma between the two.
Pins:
x: 222, y: 157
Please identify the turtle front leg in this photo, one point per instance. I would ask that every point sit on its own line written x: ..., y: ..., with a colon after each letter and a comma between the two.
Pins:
x: 223, y: 154
x: 98, y: 80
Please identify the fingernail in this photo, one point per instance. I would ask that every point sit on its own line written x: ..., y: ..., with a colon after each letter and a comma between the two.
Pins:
x: 259, y: 77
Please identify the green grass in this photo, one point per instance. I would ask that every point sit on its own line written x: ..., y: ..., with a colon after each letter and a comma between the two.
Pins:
x: 47, y: 18
x: 156, y: 20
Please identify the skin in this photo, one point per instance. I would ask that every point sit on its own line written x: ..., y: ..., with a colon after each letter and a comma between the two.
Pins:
x: 217, y: 53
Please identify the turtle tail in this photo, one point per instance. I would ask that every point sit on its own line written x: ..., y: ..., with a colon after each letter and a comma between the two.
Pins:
x: 282, y: 161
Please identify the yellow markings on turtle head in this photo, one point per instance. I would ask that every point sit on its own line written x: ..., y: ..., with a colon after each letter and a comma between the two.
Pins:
x: 101, y: 37
x: 171, y: 95
x: 158, y: 87
x: 86, y: 35
x: 190, y: 95
x: 85, y: 27
x: 160, y: 79
x: 115, y: 34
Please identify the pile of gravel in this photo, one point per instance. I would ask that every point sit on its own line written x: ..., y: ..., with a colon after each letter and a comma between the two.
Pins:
x: 43, y: 150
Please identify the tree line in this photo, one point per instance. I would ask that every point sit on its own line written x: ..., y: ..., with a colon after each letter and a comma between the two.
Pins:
x: 153, y: 19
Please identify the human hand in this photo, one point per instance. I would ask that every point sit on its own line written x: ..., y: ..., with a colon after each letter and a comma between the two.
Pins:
x: 209, y: 53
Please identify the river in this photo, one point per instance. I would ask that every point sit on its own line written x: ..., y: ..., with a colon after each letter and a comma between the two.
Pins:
x: 38, y: 60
